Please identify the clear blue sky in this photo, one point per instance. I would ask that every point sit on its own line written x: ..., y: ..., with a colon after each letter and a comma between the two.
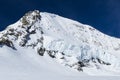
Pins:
x: 103, y: 15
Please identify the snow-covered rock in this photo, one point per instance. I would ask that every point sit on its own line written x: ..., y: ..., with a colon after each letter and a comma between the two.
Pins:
x: 68, y: 42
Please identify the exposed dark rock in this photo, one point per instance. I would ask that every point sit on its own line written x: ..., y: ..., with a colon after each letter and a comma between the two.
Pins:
x: 62, y: 58
x: 79, y: 69
x: 103, y: 62
x: 81, y: 64
x: 24, y: 21
x: 41, y: 51
x: 12, y: 30
x: 51, y: 53
x: 32, y: 32
x: 6, y: 42
x: 23, y: 42
x: 42, y: 32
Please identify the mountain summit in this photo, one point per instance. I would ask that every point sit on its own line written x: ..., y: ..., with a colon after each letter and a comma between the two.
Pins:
x: 70, y: 43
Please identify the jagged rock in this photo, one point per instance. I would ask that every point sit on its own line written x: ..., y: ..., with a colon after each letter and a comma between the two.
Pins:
x: 6, y: 42
x: 41, y: 51
x: 103, y: 62
x: 24, y: 21
x: 81, y: 64
x: 52, y: 53
x: 23, y: 42
x: 30, y: 17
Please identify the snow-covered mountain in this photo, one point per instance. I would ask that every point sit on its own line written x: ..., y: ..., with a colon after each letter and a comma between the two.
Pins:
x: 43, y: 41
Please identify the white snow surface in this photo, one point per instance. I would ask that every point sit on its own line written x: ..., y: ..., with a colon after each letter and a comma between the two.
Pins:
x: 100, y: 53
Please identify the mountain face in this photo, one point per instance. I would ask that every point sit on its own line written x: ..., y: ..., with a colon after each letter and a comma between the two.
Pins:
x: 70, y: 43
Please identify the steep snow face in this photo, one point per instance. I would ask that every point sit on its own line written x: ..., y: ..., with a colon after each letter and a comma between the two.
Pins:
x: 82, y: 45
x: 69, y: 42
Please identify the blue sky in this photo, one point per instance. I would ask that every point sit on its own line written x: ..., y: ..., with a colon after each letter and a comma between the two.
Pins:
x: 103, y: 15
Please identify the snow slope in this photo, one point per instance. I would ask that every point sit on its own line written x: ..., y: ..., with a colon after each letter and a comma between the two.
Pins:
x: 24, y: 65
x: 36, y: 45
x: 16, y: 65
